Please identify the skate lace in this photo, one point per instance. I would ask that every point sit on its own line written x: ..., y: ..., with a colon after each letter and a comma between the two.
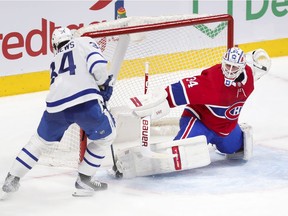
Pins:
x: 96, y: 183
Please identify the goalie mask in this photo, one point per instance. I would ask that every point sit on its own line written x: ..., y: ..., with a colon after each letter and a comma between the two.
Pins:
x: 60, y: 35
x: 233, y: 63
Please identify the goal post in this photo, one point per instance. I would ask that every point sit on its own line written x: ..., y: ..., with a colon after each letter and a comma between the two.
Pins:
x: 174, y: 47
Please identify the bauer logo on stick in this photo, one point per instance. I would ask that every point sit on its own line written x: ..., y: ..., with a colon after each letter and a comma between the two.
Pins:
x: 145, y: 132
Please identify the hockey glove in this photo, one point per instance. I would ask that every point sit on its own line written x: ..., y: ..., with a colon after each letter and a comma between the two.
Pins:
x: 106, y: 89
x: 259, y: 61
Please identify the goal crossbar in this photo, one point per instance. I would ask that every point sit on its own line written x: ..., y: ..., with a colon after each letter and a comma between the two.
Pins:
x: 168, y: 24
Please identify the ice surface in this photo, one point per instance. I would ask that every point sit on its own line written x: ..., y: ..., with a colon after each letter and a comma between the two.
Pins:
x: 258, y: 187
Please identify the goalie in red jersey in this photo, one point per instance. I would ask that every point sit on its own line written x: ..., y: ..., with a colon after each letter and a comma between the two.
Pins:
x: 213, y: 101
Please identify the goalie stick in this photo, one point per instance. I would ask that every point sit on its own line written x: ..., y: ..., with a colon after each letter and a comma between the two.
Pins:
x: 145, y: 124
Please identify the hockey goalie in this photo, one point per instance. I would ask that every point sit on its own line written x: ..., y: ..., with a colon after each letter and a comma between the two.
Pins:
x: 212, y: 104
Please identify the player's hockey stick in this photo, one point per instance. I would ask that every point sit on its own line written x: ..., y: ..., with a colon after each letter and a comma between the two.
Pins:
x: 117, y: 173
x: 115, y: 69
x: 116, y: 62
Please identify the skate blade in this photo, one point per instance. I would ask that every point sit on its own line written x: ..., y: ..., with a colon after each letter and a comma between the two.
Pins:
x: 83, y: 193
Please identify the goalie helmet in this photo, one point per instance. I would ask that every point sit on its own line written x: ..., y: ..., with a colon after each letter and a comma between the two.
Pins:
x: 233, y: 63
x: 60, y: 35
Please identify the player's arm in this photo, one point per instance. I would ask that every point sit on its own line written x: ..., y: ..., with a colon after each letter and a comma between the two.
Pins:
x: 158, y: 103
x: 259, y: 61
x: 97, y: 66
x: 191, y: 90
x: 96, y: 63
x: 176, y: 94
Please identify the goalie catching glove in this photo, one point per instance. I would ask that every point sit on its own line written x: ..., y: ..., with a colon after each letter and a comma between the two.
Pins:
x: 259, y: 61
x: 152, y: 104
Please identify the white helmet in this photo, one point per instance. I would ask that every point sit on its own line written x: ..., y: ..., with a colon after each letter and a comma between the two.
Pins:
x: 60, y: 35
x: 233, y: 63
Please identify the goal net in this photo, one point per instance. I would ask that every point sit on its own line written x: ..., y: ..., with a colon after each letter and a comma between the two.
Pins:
x: 168, y: 47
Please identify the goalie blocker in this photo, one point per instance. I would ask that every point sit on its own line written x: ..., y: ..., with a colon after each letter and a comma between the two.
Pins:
x: 153, y: 104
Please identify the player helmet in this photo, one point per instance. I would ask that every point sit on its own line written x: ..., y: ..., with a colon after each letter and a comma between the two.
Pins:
x: 60, y: 35
x: 233, y: 63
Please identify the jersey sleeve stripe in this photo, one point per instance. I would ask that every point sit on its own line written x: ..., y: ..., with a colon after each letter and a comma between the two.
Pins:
x: 170, y: 97
x: 96, y: 62
x: 94, y: 53
x: 178, y: 91
x: 185, y: 93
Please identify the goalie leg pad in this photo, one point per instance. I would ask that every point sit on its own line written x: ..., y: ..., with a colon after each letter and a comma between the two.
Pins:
x: 190, y: 153
x: 247, y: 152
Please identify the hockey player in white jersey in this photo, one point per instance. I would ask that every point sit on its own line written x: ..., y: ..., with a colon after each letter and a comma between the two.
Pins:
x: 80, y: 86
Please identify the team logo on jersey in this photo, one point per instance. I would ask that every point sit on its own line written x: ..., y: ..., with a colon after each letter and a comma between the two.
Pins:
x: 233, y: 111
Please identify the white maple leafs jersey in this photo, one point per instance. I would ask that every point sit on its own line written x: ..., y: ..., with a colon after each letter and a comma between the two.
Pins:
x: 76, y: 72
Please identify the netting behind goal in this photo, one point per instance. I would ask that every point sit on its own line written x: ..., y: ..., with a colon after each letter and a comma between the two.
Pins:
x: 168, y: 47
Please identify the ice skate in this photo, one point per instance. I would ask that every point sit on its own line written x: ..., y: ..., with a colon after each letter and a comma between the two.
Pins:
x: 86, y: 186
x: 11, y: 184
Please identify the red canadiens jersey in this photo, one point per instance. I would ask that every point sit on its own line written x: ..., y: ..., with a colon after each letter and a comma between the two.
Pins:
x: 210, y: 100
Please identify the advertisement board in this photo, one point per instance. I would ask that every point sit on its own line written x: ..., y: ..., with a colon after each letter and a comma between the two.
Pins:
x: 26, y: 26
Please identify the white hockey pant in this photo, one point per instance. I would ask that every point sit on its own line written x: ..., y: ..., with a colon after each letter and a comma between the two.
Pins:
x: 189, y: 153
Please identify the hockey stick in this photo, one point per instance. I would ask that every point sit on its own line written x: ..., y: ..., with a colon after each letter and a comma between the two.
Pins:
x: 145, y: 124
x: 115, y: 69
x: 116, y: 62
x: 117, y: 173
